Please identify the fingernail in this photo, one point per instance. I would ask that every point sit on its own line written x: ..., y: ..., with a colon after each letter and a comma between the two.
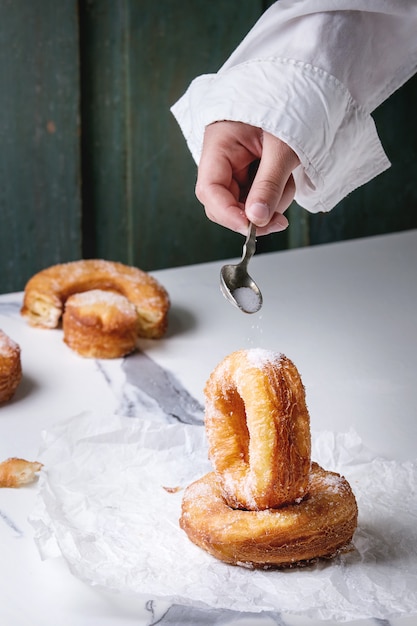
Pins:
x: 258, y: 211
x: 278, y: 224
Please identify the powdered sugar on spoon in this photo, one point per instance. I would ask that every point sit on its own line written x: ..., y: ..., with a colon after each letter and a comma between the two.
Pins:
x: 236, y: 284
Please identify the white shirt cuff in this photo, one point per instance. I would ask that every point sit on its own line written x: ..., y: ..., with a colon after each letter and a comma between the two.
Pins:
x: 335, y: 138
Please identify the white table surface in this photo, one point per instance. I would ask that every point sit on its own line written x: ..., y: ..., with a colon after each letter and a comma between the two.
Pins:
x: 345, y: 314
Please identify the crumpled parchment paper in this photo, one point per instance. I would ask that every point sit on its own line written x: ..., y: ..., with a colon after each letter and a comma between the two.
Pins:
x: 108, y: 503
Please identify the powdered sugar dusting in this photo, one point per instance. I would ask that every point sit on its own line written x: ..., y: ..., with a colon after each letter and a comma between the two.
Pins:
x: 247, y: 299
x: 7, y: 345
x: 333, y: 482
x: 259, y: 357
x: 89, y: 274
x: 233, y: 486
x: 99, y: 296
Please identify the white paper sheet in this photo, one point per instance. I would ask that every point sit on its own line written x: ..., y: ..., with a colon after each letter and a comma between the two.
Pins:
x: 102, y: 505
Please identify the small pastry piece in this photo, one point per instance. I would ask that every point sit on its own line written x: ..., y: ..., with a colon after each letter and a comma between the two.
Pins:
x: 46, y: 293
x: 10, y: 367
x: 17, y: 472
x: 100, y: 324
x: 319, y: 526
x: 258, y: 429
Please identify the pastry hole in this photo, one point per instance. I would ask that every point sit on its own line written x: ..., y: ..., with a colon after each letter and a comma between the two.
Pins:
x: 239, y: 430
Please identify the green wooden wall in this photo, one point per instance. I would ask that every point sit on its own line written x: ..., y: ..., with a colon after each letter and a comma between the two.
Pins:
x: 93, y: 163
x: 40, y: 207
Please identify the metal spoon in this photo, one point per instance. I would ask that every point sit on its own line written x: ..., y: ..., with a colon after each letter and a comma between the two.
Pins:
x: 236, y: 284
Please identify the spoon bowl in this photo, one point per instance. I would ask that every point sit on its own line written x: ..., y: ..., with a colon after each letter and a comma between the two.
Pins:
x: 236, y: 284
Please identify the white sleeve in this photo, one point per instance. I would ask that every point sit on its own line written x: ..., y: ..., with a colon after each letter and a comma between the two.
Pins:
x: 311, y: 72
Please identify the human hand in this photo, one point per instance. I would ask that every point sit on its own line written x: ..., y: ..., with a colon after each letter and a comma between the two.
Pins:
x: 230, y: 187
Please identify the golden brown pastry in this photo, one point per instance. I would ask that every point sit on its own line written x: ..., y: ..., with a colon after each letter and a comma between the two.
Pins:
x: 46, y: 293
x: 258, y: 429
x: 265, y: 505
x: 100, y: 324
x: 10, y: 367
x: 17, y: 472
x: 318, y: 526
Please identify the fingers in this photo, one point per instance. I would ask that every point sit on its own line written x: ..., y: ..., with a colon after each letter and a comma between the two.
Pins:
x: 227, y: 186
x: 273, y: 187
x: 222, y: 172
x: 278, y: 221
x: 219, y: 193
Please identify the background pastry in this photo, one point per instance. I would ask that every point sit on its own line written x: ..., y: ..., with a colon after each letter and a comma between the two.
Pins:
x: 10, y: 367
x: 47, y: 291
x: 100, y: 324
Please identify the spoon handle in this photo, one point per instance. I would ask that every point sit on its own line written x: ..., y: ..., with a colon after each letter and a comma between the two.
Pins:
x: 249, y: 246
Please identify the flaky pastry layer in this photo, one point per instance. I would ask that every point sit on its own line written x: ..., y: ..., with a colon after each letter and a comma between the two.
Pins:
x: 100, y: 324
x: 258, y: 429
x: 16, y: 472
x: 317, y: 527
x: 265, y: 504
x: 47, y: 291
x: 10, y: 367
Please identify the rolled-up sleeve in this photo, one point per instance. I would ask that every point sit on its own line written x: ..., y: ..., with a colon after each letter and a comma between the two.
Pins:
x: 312, y: 77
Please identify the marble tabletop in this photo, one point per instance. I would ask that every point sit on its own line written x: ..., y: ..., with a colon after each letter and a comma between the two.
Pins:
x: 345, y: 314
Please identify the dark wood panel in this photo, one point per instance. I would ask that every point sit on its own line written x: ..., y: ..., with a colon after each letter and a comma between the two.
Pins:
x: 139, y: 176
x: 104, y: 45
x: 138, y: 203
x: 39, y: 135
x: 388, y: 203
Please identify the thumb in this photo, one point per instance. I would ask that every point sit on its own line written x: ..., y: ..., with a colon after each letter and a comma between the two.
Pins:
x: 273, y: 188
